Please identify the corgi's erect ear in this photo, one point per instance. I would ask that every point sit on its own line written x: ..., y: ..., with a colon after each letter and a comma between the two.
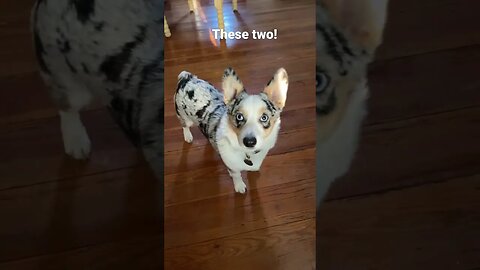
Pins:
x: 362, y: 20
x: 276, y: 89
x: 231, y: 84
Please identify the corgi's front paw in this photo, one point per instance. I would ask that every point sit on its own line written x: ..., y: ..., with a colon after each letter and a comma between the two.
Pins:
x: 238, y: 183
x: 75, y: 138
x: 240, y: 187
x: 78, y: 146
x: 187, y: 135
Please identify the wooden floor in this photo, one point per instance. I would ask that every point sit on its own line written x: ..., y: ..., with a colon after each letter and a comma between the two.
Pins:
x: 272, y: 226
x: 412, y: 198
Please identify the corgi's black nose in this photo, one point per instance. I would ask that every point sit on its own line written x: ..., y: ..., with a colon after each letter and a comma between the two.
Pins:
x: 249, y: 141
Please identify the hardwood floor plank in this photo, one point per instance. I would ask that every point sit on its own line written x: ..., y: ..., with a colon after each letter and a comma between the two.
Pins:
x: 88, y: 210
x: 414, y: 151
x: 228, y: 214
x: 424, y: 84
x: 145, y: 253
x: 415, y: 27
x: 137, y: 253
x: 434, y: 226
x: 269, y: 248
x: 23, y: 96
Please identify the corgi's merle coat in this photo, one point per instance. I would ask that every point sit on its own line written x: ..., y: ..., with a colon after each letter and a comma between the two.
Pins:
x: 112, y: 49
x: 241, y: 127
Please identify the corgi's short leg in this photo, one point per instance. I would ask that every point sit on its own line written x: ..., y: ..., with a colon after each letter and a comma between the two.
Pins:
x: 235, y: 5
x: 186, y: 124
x: 238, y: 183
x: 75, y: 137
x: 187, y: 135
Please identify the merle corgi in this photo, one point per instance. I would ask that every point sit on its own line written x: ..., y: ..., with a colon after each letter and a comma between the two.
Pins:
x: 109, y: 50
x: 242, y: 128
x: 347, y: 34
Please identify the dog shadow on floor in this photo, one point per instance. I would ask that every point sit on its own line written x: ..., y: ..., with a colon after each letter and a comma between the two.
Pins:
x: 143, y: 215
x: 241, y: 22
x: 60, y: 233
x: 179, y: 181
x: 197, y: 182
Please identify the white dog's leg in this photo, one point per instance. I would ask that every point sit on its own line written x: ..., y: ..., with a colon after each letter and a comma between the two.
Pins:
x: 75, y: 138
x: 238, y: 183
x: 187, y: 135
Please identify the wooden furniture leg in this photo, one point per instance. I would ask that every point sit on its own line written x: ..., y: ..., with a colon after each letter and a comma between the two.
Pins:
x: 190, y: 5
x: 219, y: 7
x: 234, y: 3
x: 166, y: 29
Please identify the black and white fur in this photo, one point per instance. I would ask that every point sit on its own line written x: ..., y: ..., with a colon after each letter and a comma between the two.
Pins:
x: 111, y: 50
x: 348, y: 33
x: 241, y: 127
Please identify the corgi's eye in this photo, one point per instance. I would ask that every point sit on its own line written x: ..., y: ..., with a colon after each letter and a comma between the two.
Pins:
x: 239, y: 117
x: 322, y: 82
x: 264, y: 118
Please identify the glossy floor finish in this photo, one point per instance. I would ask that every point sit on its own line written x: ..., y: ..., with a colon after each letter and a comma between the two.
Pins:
x: 272, y: 226
x: 412, y: 198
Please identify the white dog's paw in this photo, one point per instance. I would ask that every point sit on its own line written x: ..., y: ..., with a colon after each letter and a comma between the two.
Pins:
x: 75, y: 137
x: 187, y: 135
x: 77, y: 144
x: 240, y: 187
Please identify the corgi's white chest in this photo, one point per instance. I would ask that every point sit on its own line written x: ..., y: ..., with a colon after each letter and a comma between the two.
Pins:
x: 239, y: 160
